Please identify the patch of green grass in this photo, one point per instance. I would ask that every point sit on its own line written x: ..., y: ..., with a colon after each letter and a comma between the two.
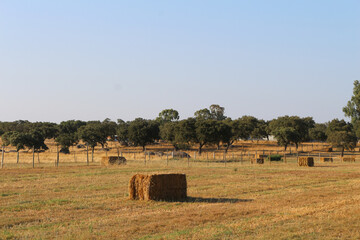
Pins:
x: 35, y: 205
x: 7, y: 235
x: 172, y: 235
x: 7, y: 194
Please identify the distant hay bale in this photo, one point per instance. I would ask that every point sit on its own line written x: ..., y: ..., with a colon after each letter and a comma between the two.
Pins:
x: 326, y: 159
x: 257, y: 160
x: 306, y: 161
x: 158, y: 187
x: 112, y: 160
x: 348, y: 159
x: 180, y: 154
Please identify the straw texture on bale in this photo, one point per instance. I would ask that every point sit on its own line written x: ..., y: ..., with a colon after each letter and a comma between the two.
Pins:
x: 158, y: 187
x: 306, y: 161
x: 112, y: 160
x: 326, y: 159
x: 257, y: 160
x: 348, y: 159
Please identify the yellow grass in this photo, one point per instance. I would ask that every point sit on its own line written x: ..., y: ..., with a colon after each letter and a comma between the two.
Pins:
x: 238, y: 200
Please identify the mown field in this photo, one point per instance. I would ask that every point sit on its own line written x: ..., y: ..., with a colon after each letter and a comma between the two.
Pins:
x: 233, y: 201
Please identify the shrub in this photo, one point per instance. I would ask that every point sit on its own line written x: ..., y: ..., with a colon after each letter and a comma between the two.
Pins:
x: 275, y: 157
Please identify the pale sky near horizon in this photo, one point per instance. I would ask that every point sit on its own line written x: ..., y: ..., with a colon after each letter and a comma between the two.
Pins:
x: 91, y: 60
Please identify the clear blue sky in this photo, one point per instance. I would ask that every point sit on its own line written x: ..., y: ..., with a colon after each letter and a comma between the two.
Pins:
x: 90, y: 60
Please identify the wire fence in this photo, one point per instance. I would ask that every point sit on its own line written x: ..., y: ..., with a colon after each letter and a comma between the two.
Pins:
x: 167, y: 158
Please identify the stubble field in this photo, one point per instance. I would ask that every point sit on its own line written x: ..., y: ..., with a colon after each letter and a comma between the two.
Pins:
x: 233, y: 200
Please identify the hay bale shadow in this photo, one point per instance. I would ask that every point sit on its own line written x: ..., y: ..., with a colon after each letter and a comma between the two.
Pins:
x: 216, y: 200
x: 325, y: 166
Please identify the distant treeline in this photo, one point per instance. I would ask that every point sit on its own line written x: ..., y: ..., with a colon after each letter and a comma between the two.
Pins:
x: 209, y: 126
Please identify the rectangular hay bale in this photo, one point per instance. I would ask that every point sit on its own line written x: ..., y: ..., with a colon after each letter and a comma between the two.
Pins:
x: 326, y: 159
x: 112, y: 160
x: 306, y: 161
x: 257, y: 160
x: 158, y: 187
x: 348, y: 159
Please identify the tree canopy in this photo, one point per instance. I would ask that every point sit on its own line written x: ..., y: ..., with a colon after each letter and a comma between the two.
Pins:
x: 341, y: 134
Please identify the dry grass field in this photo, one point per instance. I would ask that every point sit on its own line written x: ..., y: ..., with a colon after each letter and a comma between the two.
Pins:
x: 227, y: 200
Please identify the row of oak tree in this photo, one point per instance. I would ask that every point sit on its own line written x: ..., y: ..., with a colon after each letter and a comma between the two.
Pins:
x: 209, y: 126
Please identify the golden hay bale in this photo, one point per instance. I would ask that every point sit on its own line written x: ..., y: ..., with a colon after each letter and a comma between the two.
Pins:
x: 348, y: 159
x: 257, y: 160
x: 306, y: 161
x: 326, y: 159
x: 112, y: 160
x: 158, y: 187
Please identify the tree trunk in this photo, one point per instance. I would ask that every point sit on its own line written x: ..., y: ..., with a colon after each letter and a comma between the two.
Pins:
x: 285, y: 147
x: 200, y: 148
x: 228, y: 145
x: 143, y: 147
x: 176, y: 148
x: 218, y: 146
x: 342, y: 151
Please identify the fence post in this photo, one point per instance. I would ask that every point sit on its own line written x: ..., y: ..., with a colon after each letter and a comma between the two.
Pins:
x: 17, y: 156
x: 214, y: 155
x: 92, y: 155
x: 38, y: 157
x: 319, y: 156
x: 74, y: 156
x: 57, y: 156
x: 2, y: 157
x: 270, y: 157
x: 194, y: 155
x: 87, y: 154
x: 33, y: 156
x: 297, y: 156
x: 167, y: 159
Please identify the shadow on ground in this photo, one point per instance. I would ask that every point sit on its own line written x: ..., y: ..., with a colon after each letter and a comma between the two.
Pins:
x: 325, y: 166
x: 216, y: 200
